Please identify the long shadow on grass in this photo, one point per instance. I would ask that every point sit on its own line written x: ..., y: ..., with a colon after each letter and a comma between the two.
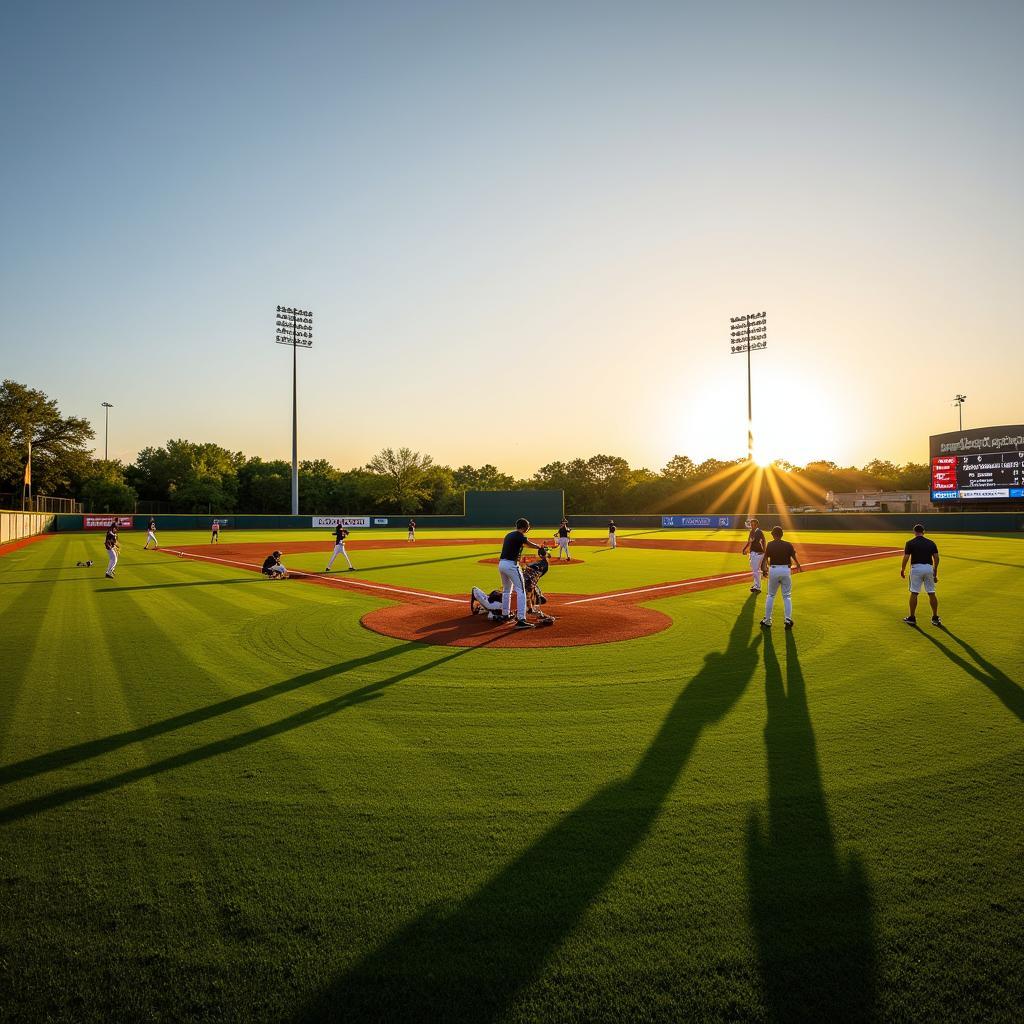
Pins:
x: 191, y: 583
x: 470, y: 963
x: 984, y: 671
x: 812, y: 913
x: 307, y: 716
x: 388, y: 566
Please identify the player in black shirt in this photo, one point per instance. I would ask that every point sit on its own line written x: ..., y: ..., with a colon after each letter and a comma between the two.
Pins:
x: 562, y: 535
x: 512, y: 575
x: 480, y: 602
x: 755, y: 547
x: 778, y: 556
x: 151, y: 536
x: 923, y: 555
x: 273, y: 568
x: 410, y: 536
x: 112, y: 545
x: 340, y: 533
x: 611, y: 533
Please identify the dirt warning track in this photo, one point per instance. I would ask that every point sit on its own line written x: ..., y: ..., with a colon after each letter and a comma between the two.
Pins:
x: 581, y: 619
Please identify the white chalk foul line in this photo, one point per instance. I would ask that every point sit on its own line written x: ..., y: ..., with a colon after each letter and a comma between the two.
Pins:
x: 719, y: 579
x: 317, y: 576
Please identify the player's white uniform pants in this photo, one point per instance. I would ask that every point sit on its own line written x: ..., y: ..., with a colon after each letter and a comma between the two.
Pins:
x: 410, y: 536
x: 111, y: 560
x: 563, y: 547
x: 512, y: 579
x: 922, y: 577
x: 339, y: 549
x: 611, y: 539
x: 151, y: 536
x: 484, y: 600
x: 756, y: 558
x: 779, y: 576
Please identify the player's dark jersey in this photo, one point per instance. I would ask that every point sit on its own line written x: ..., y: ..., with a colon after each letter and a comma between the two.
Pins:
x: 269, y: 562
x: 563, y: 531
x: 921, y: 550
x: 494, y: 595
x: 340, y: 533
x: 110, y: 540
x: 412, y: 525
x: 611, y: 527
x: 780, y: 552
x: 533, y: 572
x: 756, y: 541
x: 152, y: 525
x: 512, y: 546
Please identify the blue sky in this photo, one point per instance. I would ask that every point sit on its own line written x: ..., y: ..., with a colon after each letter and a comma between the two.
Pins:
x: 522, y: 228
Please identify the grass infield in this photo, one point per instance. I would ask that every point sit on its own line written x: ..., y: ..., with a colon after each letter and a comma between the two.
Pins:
x: 222, y: 799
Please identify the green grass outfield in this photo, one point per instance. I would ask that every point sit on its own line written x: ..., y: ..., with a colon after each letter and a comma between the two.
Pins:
x: 222, y: 799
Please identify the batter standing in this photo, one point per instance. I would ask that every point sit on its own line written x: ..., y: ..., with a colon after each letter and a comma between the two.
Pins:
x: 755, y: 547
x: 512, y: 575
x: 923, y: 555
x: 778, y: 556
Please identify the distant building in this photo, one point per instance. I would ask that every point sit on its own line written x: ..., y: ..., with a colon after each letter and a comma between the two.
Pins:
x: 879, y: 501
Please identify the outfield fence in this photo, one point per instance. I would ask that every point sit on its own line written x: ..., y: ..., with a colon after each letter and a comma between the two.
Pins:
x: 19, y: 525
x: 935, y: 522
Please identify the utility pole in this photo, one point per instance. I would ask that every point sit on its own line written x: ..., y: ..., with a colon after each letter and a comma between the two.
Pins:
x: 106, y: 427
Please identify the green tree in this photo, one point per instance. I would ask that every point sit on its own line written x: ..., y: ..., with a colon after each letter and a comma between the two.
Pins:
x: 402, y: 474
x: 486, y: 478
x: 59, y: 443
x: 318, y: 482
x: 265, y: 488
x: 194, y: 477
x: 105, y: 490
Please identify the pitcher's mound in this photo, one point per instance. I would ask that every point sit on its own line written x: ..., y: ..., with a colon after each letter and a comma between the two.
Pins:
x: 603, y: 623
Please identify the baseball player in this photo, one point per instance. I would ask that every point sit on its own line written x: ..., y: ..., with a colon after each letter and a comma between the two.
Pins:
x: 562, y: 536
x: 479, y: 602
x: 923, y: 555
x: 611, y: 534
x: 512, y: 574
x: 112, y: 545
x: 778, y: 556
x: 273, y: 568
x: 755, y: 548
x: 340, y: 533
x: 151, y: 536
x: 215, y: 532
x: 410, y: 537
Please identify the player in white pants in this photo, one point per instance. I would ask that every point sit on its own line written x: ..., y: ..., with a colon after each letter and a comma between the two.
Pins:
x: 562, y: 536
x: 755, y: 547
x: 777, y: 558
x: 110, y: 542
x: 151, y: 536
x: 923, y: 555
x: 481, y: 602
x: 512, y: 575
x: 340, y: 533
x: 611, y: 533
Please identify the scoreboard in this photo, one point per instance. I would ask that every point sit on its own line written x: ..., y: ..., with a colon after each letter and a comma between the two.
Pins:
x: 986, y: 464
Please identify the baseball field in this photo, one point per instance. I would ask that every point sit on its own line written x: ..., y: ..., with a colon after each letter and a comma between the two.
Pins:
x: 226, y: 798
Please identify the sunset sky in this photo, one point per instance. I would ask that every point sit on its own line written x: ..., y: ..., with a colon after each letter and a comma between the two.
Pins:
x: 522, y: 228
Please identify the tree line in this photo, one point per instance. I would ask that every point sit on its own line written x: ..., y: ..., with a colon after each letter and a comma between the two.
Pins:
x: 187, y: 476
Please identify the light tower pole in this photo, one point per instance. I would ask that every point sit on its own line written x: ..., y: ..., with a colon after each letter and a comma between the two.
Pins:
x: 959, y: 403
x: 106, y: 427
x: 749, y: 332
x: 295, y: 328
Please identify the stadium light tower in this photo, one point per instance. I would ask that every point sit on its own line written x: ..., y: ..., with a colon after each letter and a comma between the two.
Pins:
x: 106, y: 427
x: 748, y: 333
x: 295, y: 328
x: 959, y: 403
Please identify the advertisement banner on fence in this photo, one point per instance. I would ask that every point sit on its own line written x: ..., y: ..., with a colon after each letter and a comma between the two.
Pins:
x: 380, y: 522
x: 698, y: 522
x: 105, y: 522
x: 349, y: 522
